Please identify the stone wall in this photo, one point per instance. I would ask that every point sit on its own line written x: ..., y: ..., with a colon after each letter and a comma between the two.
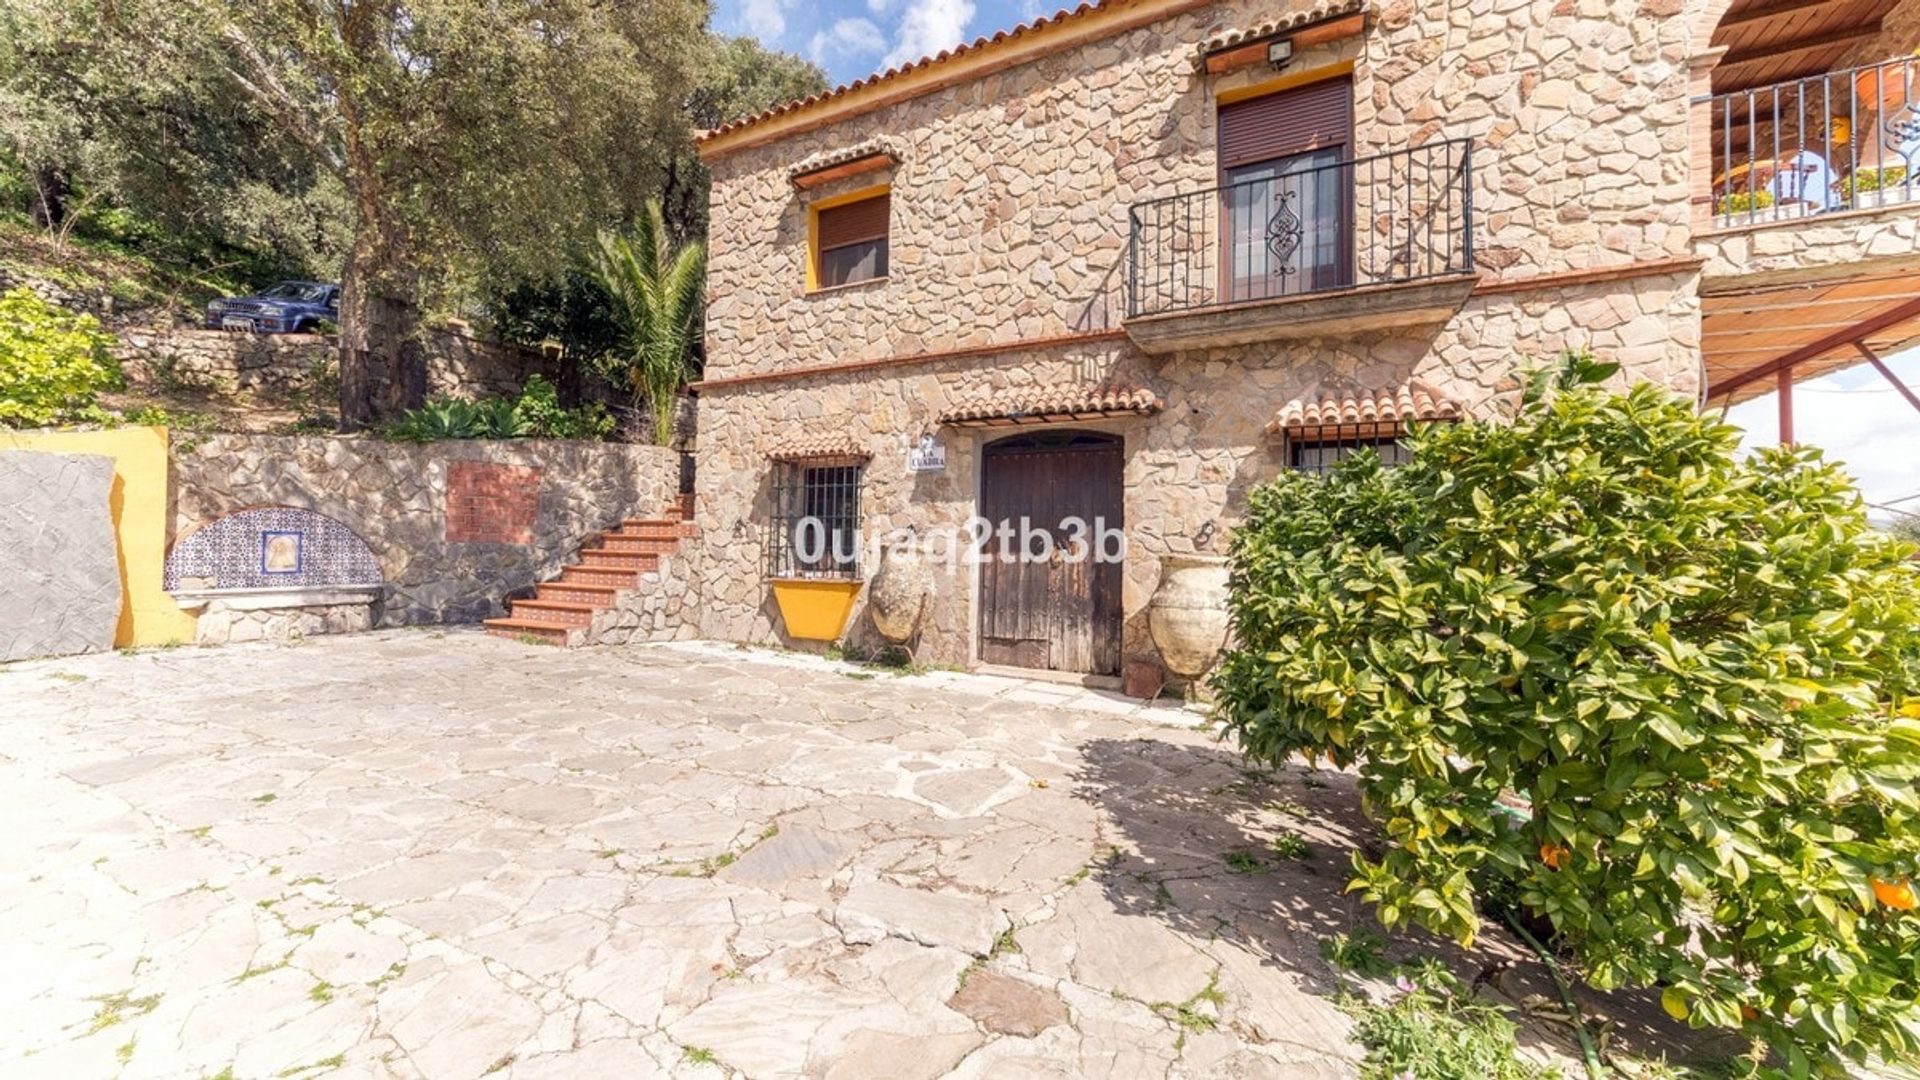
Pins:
x: 1868, y: 241
x: 222, y: 623
x: 1010, y: 201
x: 1188, y: 469
x: 283, y: 364
x: 397, y: 498
x: 1010, y: 228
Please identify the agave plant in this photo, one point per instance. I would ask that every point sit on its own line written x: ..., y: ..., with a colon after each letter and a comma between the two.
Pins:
x: 500, y: 418
x: 656, y: 294
x: 440, y: 418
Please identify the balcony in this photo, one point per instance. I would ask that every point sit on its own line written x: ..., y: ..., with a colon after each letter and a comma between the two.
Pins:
x: 1829, y: 143
x: 1810, y: 225
x: 1378, y: 243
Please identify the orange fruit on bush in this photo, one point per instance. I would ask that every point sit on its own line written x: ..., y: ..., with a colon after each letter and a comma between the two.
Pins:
x: 1897, y: 895
x: 1748, y: 1012
x: 1554, y: 856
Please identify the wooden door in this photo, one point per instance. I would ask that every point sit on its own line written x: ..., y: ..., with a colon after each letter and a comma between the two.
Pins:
x: 1060, y: 613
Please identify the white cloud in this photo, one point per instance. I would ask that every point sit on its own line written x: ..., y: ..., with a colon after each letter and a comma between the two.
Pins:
x: 928, y: 26
x: 765, y: 19
x: 879, y: 7
x: 846, y: 38
x: 1858, y: 420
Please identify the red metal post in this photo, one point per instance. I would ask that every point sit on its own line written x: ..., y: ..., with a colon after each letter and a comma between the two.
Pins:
x: 1887, y: 373
x: 1785, y: 390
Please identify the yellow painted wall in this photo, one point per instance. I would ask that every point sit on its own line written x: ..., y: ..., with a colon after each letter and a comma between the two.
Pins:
x: 148, y: 616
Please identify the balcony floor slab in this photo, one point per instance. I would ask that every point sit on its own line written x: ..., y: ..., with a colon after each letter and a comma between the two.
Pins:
x: 1395, y: 306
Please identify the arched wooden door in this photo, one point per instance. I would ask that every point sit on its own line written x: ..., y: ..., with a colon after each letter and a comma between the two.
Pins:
x: 1042, y: 607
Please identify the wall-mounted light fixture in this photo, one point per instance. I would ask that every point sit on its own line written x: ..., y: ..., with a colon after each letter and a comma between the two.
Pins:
x: 1280, y: 54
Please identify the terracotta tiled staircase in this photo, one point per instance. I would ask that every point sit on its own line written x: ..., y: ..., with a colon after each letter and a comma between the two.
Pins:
x: 612, y: 567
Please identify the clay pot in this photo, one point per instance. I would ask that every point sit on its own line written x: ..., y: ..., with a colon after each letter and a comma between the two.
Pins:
x: 897, y: 596
x: 1188, y: 612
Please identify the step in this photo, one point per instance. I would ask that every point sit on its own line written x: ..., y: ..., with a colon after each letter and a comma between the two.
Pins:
x: 619, y: 560
x: 557, y: 612
x: 545, y: 633
x: 657, y: 529
x: 586, y: 574
x: 639, y: 545
x: 681, y: 507
x: 578, y: 592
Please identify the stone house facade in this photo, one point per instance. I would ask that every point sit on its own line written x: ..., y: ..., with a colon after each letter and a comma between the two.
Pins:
x: 1513, y: 178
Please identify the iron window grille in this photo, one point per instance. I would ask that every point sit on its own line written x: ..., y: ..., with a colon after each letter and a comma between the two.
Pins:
x: 816, y: 521
x: 1319, y: 454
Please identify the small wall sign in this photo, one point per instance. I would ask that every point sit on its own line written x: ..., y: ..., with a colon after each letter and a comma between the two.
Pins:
x: 926, y: 456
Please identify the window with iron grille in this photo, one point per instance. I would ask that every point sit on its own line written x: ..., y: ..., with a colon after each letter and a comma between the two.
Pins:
x: 1317, y: 455
x: 816, y: 520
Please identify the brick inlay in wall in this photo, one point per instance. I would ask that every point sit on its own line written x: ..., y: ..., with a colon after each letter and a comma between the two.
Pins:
x: 491, y: 504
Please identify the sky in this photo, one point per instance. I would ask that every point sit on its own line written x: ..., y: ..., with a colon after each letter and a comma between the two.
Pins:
x: 1857, y: 418
x: 855, y: 38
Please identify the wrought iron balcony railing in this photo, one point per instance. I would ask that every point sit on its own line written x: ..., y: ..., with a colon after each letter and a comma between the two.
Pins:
x: 1844, y: 140
x: 1391, y: 219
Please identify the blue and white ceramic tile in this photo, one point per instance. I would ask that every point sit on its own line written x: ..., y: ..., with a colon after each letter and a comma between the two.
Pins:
x: 273, y: 546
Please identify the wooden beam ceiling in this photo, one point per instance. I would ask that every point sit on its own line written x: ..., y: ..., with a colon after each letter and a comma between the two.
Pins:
x: 1896, y: 318
x: 1769, y: 42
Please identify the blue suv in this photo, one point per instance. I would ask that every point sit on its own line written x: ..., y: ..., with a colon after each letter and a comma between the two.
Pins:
x: 290, y: 307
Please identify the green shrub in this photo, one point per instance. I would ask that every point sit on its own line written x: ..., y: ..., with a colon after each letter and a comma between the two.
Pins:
x: 539, y: 406
x: 1874, y: 180
x: 440, y: 418
x: 1699, y: 670
x: 1742, y: 201
x: 1433, y: 1031
x: 536, y: 413
x: 53, y: 362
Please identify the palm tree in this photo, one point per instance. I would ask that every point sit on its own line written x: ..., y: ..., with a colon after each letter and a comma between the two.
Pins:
x: 656, y: 294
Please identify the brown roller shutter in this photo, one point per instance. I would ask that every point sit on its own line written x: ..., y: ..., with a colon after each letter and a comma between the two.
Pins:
x: 853, y: 222
x: 1290, y: 122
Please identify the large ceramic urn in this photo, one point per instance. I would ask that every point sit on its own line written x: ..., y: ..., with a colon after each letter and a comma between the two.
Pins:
x: 897, y: 596
x: 1188, y: 612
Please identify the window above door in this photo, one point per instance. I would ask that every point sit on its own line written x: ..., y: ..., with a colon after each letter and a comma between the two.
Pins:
x: 847, y: 239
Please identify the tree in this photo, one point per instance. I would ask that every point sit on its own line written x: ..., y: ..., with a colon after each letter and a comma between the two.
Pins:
x: 1697, y: 676
x: 170, y: 157
x: 738, y: 77
x: 470, y: 140
x: 657, y: 294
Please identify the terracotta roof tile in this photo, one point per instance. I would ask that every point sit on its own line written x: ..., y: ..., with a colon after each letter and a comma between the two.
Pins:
x: 827, y: 159
x: 1021, y: 30
x: 1385, y: 409
x: 1043, y: 404
x: 1325, y: 9
x: 816, y: 446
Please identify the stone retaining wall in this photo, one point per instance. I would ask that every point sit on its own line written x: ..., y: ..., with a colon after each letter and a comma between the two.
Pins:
x: 282, y: 364
x: 523, y: 506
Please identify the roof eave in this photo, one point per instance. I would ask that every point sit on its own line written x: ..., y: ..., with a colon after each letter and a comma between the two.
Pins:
x: 977, y: 59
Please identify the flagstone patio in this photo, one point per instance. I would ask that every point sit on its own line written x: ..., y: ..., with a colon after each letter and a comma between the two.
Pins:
x: 441, y: 854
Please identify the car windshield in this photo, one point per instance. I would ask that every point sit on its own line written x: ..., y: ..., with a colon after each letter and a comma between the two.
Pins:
x: 297, y: 290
